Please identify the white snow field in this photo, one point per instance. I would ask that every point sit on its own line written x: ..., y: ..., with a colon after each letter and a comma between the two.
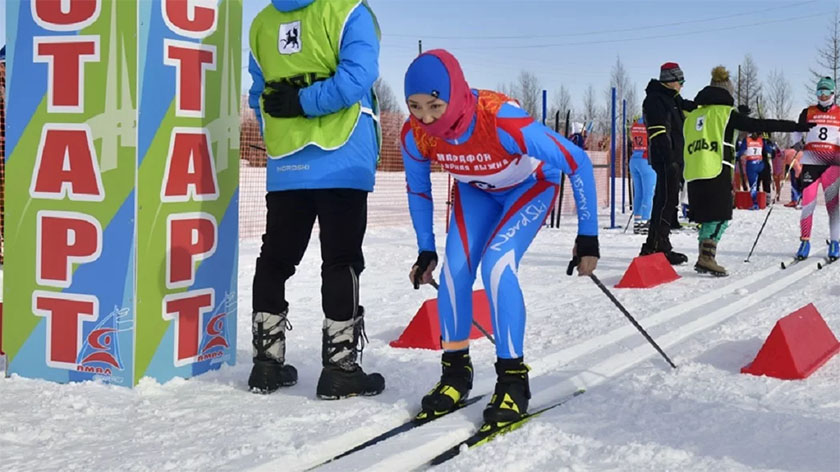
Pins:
x: 637, y: 412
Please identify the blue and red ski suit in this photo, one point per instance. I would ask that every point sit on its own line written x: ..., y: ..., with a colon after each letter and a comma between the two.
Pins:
x: 507, y: 169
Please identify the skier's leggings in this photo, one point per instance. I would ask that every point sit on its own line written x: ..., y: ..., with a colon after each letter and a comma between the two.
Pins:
x: 754, y: 169
x: 795, y: 189
x: 644, y: 183
x: 812, y: 176
x: 493, y: 229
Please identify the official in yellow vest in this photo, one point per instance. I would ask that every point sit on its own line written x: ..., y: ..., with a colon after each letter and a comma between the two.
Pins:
x: 709, y: 159
x: 313, y: 65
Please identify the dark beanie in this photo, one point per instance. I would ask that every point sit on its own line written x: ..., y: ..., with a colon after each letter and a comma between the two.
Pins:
x: 670, y: 72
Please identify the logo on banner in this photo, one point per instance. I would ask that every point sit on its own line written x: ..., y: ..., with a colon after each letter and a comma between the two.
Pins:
x: 214, y: 339
x: 100, y: 353
x: 289, y: 42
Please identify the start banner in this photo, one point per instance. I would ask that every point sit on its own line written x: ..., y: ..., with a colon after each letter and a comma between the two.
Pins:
x: 121, y: 188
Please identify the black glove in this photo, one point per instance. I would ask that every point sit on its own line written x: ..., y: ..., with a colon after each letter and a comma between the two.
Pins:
x: 572, y: 264
x: 423, y: 260
x: 587, y: 246
x: 281, y: 100
x: 584, y: 246
x: 804, y: 127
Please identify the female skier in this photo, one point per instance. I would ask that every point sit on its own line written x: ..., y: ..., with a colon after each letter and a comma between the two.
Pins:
x: 507, y: 168
x: 820, y: 165
x: 644, y: 177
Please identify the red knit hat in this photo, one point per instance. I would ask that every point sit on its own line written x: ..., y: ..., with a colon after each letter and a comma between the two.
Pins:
x: 670, y: 72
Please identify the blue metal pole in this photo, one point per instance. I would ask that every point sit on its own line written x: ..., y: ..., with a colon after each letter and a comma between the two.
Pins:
x: 612, y: 164
x: 623, y: 151
x: 545, y: 105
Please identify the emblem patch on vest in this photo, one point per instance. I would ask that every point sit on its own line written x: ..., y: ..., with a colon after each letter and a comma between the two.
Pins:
x: 289, y: 42
x: 698, y: 125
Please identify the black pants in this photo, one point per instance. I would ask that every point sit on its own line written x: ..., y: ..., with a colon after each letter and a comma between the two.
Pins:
x: 342, y: 219
x: 766, y: 178
x: 666, y: 196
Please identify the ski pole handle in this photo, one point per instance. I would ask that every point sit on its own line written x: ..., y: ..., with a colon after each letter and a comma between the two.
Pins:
x: 572, y: 264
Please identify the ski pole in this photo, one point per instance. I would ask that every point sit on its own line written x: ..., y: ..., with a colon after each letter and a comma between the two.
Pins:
x: 628, y: 222
x: 772, y: 205
x: 759, y: 234
x: 475, y: 323
x: 630, y: 317
x: 563, y: 174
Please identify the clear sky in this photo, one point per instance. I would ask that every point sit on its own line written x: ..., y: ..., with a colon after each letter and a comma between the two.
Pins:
x: 575, y: 43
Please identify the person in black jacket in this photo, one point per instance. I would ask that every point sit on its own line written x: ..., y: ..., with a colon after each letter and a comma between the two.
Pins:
x: 710, y: 159
x: 663, y: 113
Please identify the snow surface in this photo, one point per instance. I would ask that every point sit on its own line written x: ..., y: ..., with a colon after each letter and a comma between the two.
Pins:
x: 637, y: 413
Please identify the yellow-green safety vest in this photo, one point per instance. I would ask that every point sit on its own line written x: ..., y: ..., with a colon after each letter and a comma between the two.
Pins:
x: 301, y: 47
x: 704, y: 130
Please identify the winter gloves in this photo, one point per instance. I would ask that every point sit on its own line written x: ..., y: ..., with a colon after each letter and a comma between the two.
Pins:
x: 426, y: 261
x: 585, y: 246
x: 281, y: 100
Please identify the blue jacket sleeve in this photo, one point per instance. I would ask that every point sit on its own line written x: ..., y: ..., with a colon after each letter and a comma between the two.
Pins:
x: 740, y: 149
x: 419, y: 187
x: 257, y: 87
x: 520, y: 134
x: 358, y: 68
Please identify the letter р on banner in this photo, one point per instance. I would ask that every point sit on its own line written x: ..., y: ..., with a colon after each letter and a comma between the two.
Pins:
x: 122, y: 185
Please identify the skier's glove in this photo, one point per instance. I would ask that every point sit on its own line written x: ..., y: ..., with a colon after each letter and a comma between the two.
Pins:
x: 281, y: 100
x: 804, y: 127
x: 426, y: 262
x: 586, y: 246
x: 572, y: 264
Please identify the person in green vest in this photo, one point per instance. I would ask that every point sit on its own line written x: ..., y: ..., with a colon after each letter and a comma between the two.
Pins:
x: 710, y: 158
x: 313, y: 65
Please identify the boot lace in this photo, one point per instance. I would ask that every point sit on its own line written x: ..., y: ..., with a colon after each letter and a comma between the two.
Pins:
x: 355, y: 339
x: 263, y: 339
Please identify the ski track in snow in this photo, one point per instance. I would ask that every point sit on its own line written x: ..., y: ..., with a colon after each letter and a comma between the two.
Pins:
x: 703, y: 416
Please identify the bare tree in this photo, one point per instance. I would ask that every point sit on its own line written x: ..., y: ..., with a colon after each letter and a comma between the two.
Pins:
x: 527, y: 91
x: 828, y: 56
x: 624, y: 90
x: 590, y: 104
x: 633, y: 107
x: 779, y: 102
x: 387, y: 99
x: 620, y: 80
x: 561, y: 102
x: 507, y: 89
x: 749, y: 85
x: 778, y: 95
